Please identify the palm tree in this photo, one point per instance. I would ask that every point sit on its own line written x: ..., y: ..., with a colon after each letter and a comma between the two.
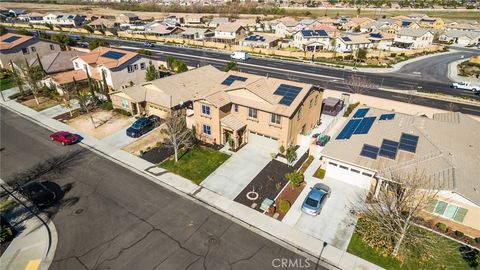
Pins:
x: 83, y: 99
x: 33, y: 75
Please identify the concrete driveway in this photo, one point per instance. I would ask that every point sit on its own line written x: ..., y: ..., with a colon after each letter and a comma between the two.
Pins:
x: 335, y: 224
x: 237, y: 172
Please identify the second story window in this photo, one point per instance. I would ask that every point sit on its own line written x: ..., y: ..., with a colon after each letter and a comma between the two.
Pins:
x: 52, y: 47
x: 316, y: 97
x: 130, y: 68
x: 299, y: 113
x: 25, y: 50
x: 207, y: 130
x: 252, y: 113
x: 135, y: 67
x: 235, y: 107
x: 33, y: 49
x: 205, y: 110
x: 311, y: 103
x: 275, y: 119
x: 76, y: 64
x: 142, y: 66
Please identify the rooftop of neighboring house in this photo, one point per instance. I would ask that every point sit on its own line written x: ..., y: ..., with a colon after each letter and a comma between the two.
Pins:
x: 287, y: 21
x: 260, y: 37
x: 326, y: 20
x: 12, y: 40
x: 359, y: 20
x: 313, y: 33
x: 400, y: 143
x: 107, y: 57
x: 354, y: 39
x: 229, y: 27
x: 246, y: 22
x: 464, y: 26
x: 31, y: 14
x: 308, y: 21
x: 379, y: 35
x: 58, y: 61
x: 413, y: 32
x: 461, y: 33
x: 102, y: 21
x: 219, y: 20
x: 129, y: 15
x: 162, y: 29
x: 194, y: 30
x: 330, y: 29
x: 68, y: 76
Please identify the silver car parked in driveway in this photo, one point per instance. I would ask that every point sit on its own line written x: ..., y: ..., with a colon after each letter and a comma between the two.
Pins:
x: 315, y: 199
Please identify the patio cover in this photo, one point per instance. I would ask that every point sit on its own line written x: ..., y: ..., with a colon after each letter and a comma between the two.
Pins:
x: 230, y: 121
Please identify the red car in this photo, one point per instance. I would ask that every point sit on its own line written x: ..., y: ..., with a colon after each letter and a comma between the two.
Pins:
x: 64, y: 137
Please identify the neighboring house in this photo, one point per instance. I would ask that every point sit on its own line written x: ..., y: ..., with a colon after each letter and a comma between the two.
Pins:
x: 19, y: 49
x: 57, y: 62
x: 260, y: 41
x: 309, y: 22
x: 174, y: 20
x: 122, y: 68
x: 460, y: 37
x: 63, y: 19
x: 161, y: 29
x: 173, y: 93
x: 217, y: 21
x: 392, y: 143
x: 428, y: 22
x: 198, y: 33
x: 243, y: 107
x: 360, y: 23
x: 229, y: 33
x: 15, y: 12
x: 194, y: 20
x: 409, y: 24
x: 102, y: 23
x: 286, y: 27
x: 311, y: 40
x: 351, y: 43
x: 127, y: 18
x: 381, y: 40
x: 413, y: 38
x: 33, y: 17
x: 327, y: 21
x: 463, y: 26
x: 384, y: 25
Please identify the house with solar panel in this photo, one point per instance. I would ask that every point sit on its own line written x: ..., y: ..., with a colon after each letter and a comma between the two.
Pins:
x: 245, y: 107
x: 312, y: 40
x: 260, y: 41
x: 376, y: 144
x: 413, y: 38
x: 121, y: 68
x: 381, y: 40
x: 20, y: 48
x: 64, y: 19
x: 352, y: 43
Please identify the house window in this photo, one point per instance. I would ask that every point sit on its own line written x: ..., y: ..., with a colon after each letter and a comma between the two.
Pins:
x: 205, y: 110
x: 25, y: 50
x: 33, y: 49
x: 275, y: 119
x: 130, y: 68
x: 355, y: 171
x: 316, y: 98
x: 76, y: 64
x: 447, y: 210
x: 235, y: 107
x: 207, y: 129
x: 135, y: 67
x: 343, y: 167
x: 52, y: 47
x: 125, y: 103
x: 252, y: 113
x: 299, y: 113
x: 85, y: 67
x: 142, y: 66
x: 311, y: 103
x: 367, y: 174
x: 333, y: 164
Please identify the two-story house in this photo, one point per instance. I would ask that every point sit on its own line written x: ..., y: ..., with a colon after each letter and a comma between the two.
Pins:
x: 352, y: 43
x: 32, y: 17
x: 63, y: 19
x: 20, y: 48
x: 122, y: 69
x: 229, y: 32
x: 286, y: 27
x: 413, y: 38
x: 127, y: 18
x: 311, y: 40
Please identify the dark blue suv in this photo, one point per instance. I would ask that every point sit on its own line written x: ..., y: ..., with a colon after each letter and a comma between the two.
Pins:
x: 143, y: 125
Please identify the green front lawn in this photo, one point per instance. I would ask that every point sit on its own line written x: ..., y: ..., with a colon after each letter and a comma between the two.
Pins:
x: 448, y: 257
x: 196, y: 164
x: 6, y: 83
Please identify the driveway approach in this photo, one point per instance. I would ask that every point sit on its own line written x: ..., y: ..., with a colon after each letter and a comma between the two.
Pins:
x: 112, y: 218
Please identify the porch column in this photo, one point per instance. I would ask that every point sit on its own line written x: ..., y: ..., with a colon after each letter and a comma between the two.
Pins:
x: 378, y: 187
x: 235, y: 139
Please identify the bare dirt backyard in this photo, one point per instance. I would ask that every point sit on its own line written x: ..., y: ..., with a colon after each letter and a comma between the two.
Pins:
x: 146, y: 142
x: 106, y: 123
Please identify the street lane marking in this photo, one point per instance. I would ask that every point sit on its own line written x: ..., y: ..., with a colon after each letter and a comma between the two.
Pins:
x: 469, y: 109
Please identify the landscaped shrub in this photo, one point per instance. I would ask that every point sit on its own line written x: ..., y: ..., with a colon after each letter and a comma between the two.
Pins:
x: 295, y: 178
x: 320, y: 173
x: 122, y: 111
x: 283, y: 206
x: 442, y: 227
x: 393, y: 55
x: 350, y: 109
x: 459, y: 234
x: 477, y: 240
x: 106, y: 106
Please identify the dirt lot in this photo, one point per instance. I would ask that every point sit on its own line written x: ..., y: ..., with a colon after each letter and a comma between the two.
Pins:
x: 45, y: 103
x: 148, y: 141
x: 106, y: 123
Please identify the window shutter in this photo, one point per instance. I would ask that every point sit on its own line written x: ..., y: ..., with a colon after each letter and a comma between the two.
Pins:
x: 460, y: 214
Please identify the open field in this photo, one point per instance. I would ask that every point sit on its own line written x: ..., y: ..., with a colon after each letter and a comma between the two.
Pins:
x: 450, y: 14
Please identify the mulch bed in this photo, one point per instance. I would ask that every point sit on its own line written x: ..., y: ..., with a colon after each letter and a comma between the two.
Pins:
x: 268, y: 183
x: 158, y: 154
x: 65, y: 117
x: 289, y: 194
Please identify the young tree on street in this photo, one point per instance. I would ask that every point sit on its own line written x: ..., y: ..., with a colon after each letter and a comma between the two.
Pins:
x: 152, y: 73
x: 104, y: 86
x: 232, y: 65
x: 176, y: 133
x: 291, y: 155
x: 33, y: 75
x: 97, y: 43
x: 84, y: 99
x: 359, y: 85
x: 17, y: 78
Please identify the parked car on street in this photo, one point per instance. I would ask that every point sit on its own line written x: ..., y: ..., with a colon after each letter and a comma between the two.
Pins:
x: 38, y: 193
x: 143, y: 125
x: 466, y: 86
x: 148, y: 44
x: 64, y: 137
x: 315, y: 199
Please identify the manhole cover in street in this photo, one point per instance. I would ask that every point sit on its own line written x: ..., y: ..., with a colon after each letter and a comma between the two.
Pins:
x: 78, y: 211
x: 212, y: 240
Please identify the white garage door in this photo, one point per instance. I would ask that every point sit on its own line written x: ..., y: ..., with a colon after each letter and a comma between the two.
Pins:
x: 162, y: 113
x: 348, y: 176
x: 266, y: 143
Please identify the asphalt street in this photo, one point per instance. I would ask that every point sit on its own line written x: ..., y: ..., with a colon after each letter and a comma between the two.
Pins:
x: 111, y: 218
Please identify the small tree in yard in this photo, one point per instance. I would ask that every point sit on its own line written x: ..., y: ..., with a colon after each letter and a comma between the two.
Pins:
x: 84, y: 99
x: 33, y: 75
x: 291, y: 155
x: 17, y: 78
x: 388, y: 223
x: 105, y: 89
x: 295, y: 178
x: 152, y: 73
x: 232, y: 65
x: 359, y: 85
x: 176, y: 133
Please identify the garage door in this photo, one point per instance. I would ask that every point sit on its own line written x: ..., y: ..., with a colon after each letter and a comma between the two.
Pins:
x: 157, y: 111
x: 264, y: 142
x: 346, y: 175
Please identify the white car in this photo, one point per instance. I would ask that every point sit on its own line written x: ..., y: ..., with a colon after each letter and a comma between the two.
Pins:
x: 240, y: 55
x: 466, y: 86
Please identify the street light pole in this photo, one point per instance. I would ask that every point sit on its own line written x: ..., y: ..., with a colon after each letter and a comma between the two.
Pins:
x: 320, y: 256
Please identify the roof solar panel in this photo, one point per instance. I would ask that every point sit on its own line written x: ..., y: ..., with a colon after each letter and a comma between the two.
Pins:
x: 346, y: 39
x: 288, y: 93
x: 230, y: 79
x: 387, y: 116
x: 360, y: 113
x: 364, y: 125
x: 388, y: 149
x: 369, y: 151
x: 408, y: 143
x: 348, y: 130
x: 11, y: 39
x: 113, y: 55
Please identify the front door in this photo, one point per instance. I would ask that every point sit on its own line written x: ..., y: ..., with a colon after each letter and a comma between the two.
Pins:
x: 134, y: 108
x: 226, y: 136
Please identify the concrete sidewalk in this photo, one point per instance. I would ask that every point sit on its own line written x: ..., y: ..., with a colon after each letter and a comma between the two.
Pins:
x: 266, y: 226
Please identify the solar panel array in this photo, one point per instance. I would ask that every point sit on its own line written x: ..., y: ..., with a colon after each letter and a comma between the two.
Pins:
x: 314, y: 33
x: 11, y: 39
x: 388, y: 149
x: 288, y: 93
x: 230, y: 79
x: 360, y: 113
x: 349, y: 129
x: 376, y: 35
x: 113, y: 55
x: 346, y: 39
x: 364, y: 125
x: 255, y: 38
x: 369, y: 151
x: 389, y: 116
x: 408, y: 143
